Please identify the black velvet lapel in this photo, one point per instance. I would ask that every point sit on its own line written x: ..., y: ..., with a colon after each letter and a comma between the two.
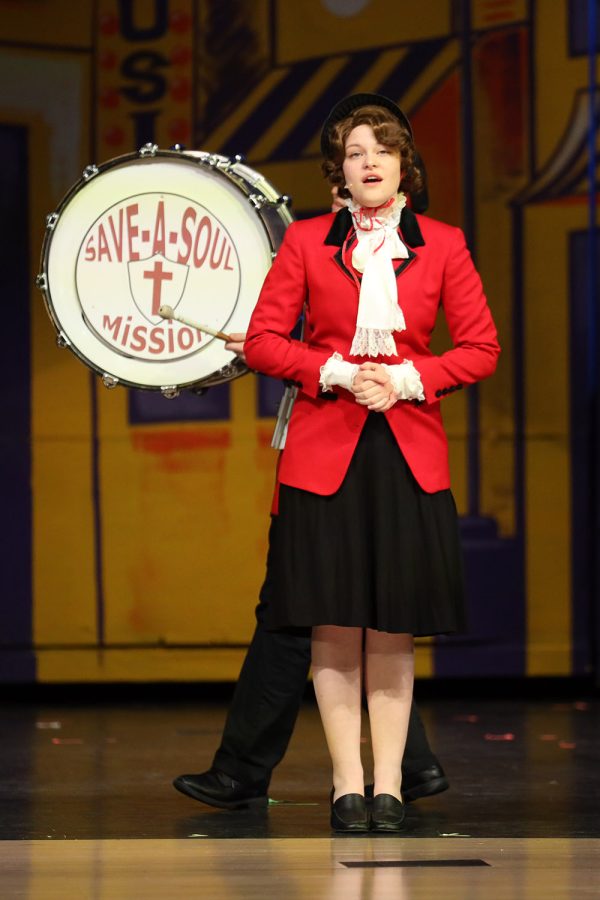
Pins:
x: 409, y: 228
x: 340, y: 228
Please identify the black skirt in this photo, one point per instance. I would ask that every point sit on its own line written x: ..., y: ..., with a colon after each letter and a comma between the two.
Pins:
x: 380, y: 553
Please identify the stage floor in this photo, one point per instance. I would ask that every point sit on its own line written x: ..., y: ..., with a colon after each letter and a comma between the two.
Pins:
x: 521, y: 819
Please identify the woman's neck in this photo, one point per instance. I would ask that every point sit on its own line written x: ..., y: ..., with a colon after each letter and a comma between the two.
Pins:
x: 377, y: 210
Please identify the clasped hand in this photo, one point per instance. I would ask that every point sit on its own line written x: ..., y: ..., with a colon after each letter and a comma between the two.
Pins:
x: 372, y: 387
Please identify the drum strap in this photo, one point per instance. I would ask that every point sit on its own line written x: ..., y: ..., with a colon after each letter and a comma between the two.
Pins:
x: 286, y: 405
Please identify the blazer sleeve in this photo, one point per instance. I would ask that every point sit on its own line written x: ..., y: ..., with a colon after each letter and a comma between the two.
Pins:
x: 268, y: 347
x: 472, y: 330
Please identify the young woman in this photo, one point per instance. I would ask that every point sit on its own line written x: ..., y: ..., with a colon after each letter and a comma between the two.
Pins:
x: 367, y: 550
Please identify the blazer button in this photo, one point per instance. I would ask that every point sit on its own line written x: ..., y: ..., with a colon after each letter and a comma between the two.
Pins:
x: 438, y: 393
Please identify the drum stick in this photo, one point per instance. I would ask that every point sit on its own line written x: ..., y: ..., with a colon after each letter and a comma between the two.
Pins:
x: 167, y: 312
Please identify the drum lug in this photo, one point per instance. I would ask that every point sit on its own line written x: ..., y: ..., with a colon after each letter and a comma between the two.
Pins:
x: 214, y: 160
x: 90, y: 171
x: 62, y: 341
x: 51, y: 221
x: 109, y: 381
x: 170, y: 391
x: 178, y: 148
x: 230, y: 370
x: 257, y: 200
x: 41, y: 281
x: 148, y: 149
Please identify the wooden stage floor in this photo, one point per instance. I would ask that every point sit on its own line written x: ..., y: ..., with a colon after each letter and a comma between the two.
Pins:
x: 87, y: 808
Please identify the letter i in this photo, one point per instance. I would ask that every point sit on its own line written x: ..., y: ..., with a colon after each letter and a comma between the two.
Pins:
x: 126, y: 331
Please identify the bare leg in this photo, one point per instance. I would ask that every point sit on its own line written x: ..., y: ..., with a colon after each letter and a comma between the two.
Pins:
x: 336, y: 666
x: 389, y: 673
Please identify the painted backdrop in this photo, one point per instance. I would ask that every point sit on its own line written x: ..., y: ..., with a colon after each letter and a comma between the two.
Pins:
x: 135, y: 526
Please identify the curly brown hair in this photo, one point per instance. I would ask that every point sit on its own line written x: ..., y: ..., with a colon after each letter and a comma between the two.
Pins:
x: 388, y: 131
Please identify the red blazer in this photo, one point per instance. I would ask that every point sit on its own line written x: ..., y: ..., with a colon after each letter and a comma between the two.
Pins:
x: 309, y: 273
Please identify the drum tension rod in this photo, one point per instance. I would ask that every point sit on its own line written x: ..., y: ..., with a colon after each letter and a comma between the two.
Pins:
x: 259, y: 200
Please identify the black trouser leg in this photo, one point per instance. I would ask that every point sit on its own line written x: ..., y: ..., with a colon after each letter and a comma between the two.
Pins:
x: 418, y: 755
x: 265, y: 705
x: 267, y: 696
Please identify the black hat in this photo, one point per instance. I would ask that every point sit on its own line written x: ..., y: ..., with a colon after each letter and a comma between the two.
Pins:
x: 348, y: 105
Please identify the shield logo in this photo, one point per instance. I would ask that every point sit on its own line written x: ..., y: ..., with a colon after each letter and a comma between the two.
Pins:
x: 155, y: 282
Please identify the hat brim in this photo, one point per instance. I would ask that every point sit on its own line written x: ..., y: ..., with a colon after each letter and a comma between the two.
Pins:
x: 346, y: 106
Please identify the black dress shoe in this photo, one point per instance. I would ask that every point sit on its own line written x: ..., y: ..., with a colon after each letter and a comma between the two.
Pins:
x: 218, y: 789
x: 387, y: 813
x: 349, y: 813
x: 424, y: 783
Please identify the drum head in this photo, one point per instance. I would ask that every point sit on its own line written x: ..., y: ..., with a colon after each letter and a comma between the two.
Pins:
x: 150, y: 231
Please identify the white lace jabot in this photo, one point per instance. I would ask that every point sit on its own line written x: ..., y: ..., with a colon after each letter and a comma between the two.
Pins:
x: 379, y: 313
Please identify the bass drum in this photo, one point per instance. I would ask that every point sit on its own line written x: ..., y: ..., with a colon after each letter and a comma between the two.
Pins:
x: 193, y: 231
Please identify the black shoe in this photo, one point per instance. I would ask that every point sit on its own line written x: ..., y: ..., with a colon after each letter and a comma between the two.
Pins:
x: 349, y: 813
x: 218, y: 789
x: 424, y: 783
x: 387, y: 813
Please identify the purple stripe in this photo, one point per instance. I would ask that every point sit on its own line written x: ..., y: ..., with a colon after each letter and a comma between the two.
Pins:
x: 15, y: 402
x: 593, y: 293
x: 97, y: 515
x: 583, y: 457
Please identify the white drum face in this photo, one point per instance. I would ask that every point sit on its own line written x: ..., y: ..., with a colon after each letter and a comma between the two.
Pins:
x: 152, y: 232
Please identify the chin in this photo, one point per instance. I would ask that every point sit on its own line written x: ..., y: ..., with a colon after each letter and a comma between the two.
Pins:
x: 371, y: 201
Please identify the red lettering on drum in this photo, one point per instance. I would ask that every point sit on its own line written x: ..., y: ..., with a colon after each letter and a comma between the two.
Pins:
x: 158, y: 245
x: 119, y: 237
x: 204, y: 224
x: 189, y: 338
x: 138, y: 338
x: 113, y: 326
x: 215, y: 263
x: 126, y: 331
x: 157, y: 340
x: 157, y: 344
x: 158, y: 276
x: 186, y: 234
x: 103, y: 249
x: 118, y: 241
x: 132, y: 230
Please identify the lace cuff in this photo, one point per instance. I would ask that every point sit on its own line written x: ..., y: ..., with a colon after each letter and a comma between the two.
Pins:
x: 406, y: 381
x: 337, y: 371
